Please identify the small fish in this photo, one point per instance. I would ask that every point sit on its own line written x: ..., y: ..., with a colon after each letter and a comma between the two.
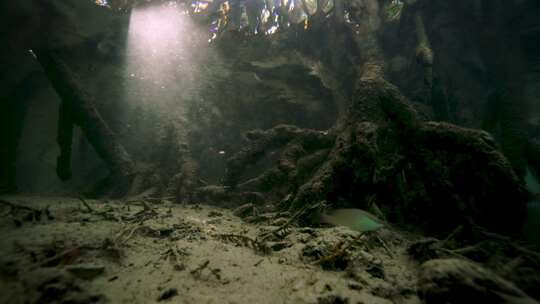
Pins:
x: 355, y: 219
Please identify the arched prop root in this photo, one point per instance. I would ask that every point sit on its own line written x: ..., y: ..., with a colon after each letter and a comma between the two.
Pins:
x: 433, y: 175
x: 296, y: 144
x: 78, y: 108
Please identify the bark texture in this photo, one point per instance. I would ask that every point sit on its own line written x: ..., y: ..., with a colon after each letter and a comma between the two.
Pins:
x: 78, y: 108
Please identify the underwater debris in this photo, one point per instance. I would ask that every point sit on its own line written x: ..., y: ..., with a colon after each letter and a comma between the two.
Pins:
x: 425, y: 249
x: 440, y: 280
x: 86, y: 271
x: 332, y: 299
x: 184, y: 230
x: 215, y: 214
x: 338, y: 259
x: 258, y: 246
x: 51, y: 285
x: 21, y: 213
x: 167, y: 294
x: 284, y: 229
x: 197, y: 271
x: 176, y: 256
x: 245, y: 210
x: 65, y: 257
x: 112, y: 251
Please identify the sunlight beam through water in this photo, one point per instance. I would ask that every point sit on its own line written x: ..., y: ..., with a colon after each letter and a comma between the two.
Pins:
x: 164, y: 49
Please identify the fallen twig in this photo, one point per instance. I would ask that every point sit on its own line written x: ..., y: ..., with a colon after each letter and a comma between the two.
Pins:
x: 339, y: 250
x: 86, y: 205
x: 383, y: 243
x: 150, y: 199
x: 16, y: 206
x: 277, y: 231
x: 65, y: 257
x: 28, y: 213
x: 197, y: 271
x: 257, y: 245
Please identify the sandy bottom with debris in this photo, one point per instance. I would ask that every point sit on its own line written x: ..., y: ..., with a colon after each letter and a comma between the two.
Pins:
x: 59, y: 250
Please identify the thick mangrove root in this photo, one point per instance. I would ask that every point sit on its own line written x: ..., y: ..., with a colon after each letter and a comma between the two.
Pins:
x: 78, y: 108
x: 424, y: 53
x: 12, y: 115
x: 183, y: 185
x: 504, y: 118
x: 297, y: 142
x: 435, y: 175
x: 533, y: 155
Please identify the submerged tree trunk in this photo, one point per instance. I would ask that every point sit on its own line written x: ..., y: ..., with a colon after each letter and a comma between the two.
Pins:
x: 12, y: 114
x: 78, y: 108
x: 435, y: 175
